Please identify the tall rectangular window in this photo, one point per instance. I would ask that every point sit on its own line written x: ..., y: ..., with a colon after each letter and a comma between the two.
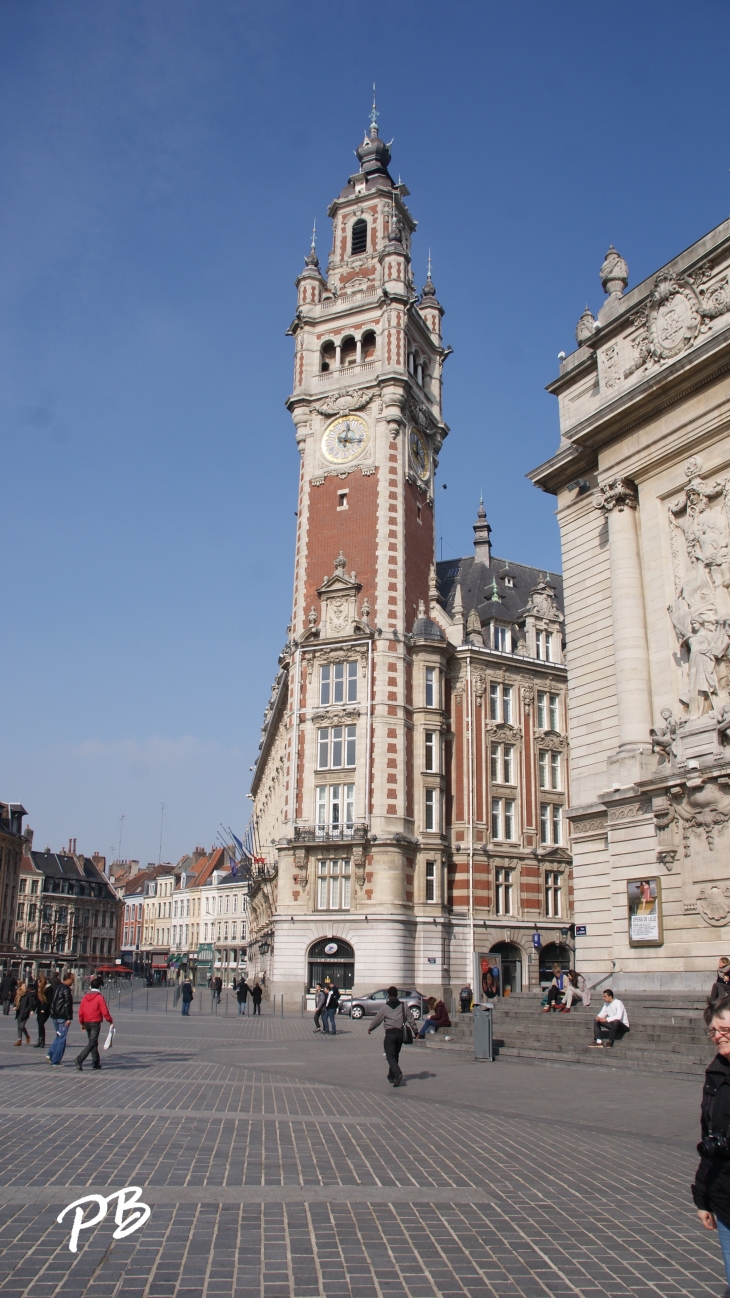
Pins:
x: 336, y: 747
x: 507, y: 704
x: 322, y: 804
x: 323, y: 749
x: 555, y: 770
x: 503, y: 891
x: 493, y: 701
x: 431, y: 701
x: 495, y: 762
x: 335, y: 805
x: 542, y: 645
x: 430, y: 881
x: 431, y: 809
x: 543, y: 762
x: 544, y: 822
x: 430, y: 748
x: 349, y: 804
x: 557, y: 818
x: 325, y: 684
x: 333, y: 884
x: 338, y: 682
x: 509, y: 818
x: 554, y: 725
x: 352, y: 682
x: 553, y: 904
x: 541, y: 710
x: 349, y: 745
x: 496, y: 817
x: 500, y: 638
x: 508, y: 762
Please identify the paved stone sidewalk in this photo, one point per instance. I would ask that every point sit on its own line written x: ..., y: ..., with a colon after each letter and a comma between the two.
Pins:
x: 280, y: 1164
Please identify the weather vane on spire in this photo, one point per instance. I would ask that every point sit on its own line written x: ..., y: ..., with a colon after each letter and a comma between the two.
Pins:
x: 374, y: 114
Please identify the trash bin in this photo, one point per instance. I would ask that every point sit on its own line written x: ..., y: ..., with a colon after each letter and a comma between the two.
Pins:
x: 483, y: 1034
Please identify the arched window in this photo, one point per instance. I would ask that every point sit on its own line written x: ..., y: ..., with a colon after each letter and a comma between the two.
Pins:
x: 553, y: 953
x: 349, y: 351
x: 327, y: 357
x: 368, y: 345
x: 511, y: 966
x: 359, y: 241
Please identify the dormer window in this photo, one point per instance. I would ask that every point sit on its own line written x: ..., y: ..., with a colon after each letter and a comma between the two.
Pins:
x: 542, y: 645
x: 509, y: 581
x: 359, y: 240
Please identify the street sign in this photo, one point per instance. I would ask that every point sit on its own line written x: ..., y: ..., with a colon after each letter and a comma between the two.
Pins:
x: 580, y: 930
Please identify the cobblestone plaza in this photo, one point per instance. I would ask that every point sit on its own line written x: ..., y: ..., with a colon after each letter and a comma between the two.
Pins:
x: 281, y: 1164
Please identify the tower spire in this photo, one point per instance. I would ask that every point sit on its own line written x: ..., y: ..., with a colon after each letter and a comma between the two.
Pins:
x: 482, y: 534
x: 312, y: 259
x: 374, y: 115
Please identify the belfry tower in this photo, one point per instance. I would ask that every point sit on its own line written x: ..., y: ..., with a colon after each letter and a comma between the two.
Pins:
x: 343, y: 787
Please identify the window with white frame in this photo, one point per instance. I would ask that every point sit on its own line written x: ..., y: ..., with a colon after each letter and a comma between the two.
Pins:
x: 554, y: 721
x: 551, y: 823
x: 542, y: 645
x: 432, y: 809
x: 337, y: 683
x: 501, y: 638
x: 502, y: 891
x: 336, y: 746
x: 553, y: 899
x: 430, y: 881
x: 503, y: 818
x: 333, y: 884
x: 431, y: 751
x: 335, y: 804
x: 549, y: 770
x: 503, y: 763
x: 500, y: 702
x: 432, y: 687
x: 548, y: 711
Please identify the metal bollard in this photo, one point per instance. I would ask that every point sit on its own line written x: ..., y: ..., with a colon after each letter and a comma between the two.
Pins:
x: 282, y: 1004
x: 148, y: 999
x: 226, y: 1002
x: 167, y: 993
x: 304, y: 1005
x: 483, y: 1033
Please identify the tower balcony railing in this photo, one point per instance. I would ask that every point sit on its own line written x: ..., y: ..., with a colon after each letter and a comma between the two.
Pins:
x: 330, y: 833
x: 338, y: 372
x: 343, y: 298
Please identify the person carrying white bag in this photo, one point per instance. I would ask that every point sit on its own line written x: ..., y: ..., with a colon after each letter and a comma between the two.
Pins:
x: 93, y: 1010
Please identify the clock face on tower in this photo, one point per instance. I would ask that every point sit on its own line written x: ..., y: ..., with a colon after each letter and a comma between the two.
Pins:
x: 344, y: 439
x: 420, y: 458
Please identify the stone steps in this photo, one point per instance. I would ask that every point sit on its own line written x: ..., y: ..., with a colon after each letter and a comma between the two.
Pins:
x: 667, y: 1035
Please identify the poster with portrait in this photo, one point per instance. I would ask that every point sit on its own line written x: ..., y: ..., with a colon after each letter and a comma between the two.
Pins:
x: 644, y: 898
x: 487, y: 975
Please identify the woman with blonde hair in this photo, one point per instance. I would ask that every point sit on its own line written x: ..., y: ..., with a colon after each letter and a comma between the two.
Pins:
x: 24, y: 1003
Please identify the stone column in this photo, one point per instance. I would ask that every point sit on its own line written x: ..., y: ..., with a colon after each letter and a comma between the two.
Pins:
x: 618, y: 499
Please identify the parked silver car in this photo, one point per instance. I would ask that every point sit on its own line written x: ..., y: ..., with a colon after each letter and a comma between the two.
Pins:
x: 360, y: 1006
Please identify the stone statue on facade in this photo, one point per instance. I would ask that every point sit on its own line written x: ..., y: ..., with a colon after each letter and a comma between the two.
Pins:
x: 663, y: 737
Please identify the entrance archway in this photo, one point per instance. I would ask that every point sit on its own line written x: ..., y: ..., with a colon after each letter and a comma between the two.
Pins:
x: 511, y: 966
x: 553, y: 953
x: 331, y: 958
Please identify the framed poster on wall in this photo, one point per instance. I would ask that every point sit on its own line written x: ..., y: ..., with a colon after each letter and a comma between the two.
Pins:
x: 644, y: 899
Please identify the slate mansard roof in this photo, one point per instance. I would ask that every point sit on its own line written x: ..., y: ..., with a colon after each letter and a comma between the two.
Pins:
x: 480, y: 583
x: 58, y: 865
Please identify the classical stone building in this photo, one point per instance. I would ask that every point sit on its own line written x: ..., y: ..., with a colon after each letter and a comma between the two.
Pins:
x: 399, y: 817
x: 13, y: 842
x: 67, y: 913
x: 642, y: 478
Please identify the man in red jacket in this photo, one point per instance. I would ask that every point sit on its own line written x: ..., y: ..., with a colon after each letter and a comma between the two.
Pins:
x: 92, y: 1011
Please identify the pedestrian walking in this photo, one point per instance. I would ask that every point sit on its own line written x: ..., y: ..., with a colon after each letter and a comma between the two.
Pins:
x: 8, y: 988
x: 187, y: 997
x: 42, y: 1008
x: 242, y: 991
x: 466, y: 997
x: 92, y: 1012
x: 24, y: 1006
x: 320, y: 996
x: 217, y: 989
x: 256, y: 994
x: 711, y: 1189
x: 332, y: 1000
x: 62, y: 1013
x: 393, y: 1016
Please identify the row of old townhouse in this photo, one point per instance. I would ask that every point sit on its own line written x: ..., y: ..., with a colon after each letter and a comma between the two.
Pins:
x: 186, y: 920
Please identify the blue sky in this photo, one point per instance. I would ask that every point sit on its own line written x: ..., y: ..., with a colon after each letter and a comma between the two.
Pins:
x: 161, y: 167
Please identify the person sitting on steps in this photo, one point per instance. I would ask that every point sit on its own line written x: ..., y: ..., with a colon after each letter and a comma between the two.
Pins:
x: 577, y: 990
x: 556, y: 990
x: 612, y: 1021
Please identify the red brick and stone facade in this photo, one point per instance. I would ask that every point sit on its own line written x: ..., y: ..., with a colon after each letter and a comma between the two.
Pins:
x: 375, y: 805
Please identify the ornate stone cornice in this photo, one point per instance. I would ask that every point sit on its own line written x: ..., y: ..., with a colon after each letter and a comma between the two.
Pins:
x: 618, y: 493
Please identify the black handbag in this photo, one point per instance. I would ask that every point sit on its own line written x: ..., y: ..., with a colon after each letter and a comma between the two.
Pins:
x: 407, y: 1029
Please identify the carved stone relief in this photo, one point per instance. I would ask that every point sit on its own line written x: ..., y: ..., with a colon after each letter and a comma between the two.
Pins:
x: 343, y: 403
x: 713, y: 904
x: 337, y: 717
x: 679, y: 310
x: 618, y: 493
